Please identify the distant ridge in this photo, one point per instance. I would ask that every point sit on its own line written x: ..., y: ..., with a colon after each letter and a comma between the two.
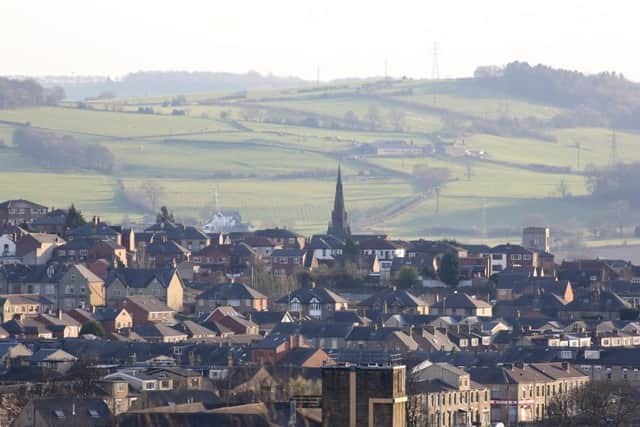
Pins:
x: 159, y: 83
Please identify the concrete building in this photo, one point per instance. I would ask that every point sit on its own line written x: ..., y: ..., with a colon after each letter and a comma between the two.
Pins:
x: 522, y: 393
x: 442, y: 395
x: 536, y: 238
x: 363, y: 396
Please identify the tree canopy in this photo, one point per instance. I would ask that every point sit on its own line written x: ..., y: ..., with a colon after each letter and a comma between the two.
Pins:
x: 164, y: 215
x: 449, y: 271
x: 93, y: 327
x: 407, y: 276
x: 74, y: 218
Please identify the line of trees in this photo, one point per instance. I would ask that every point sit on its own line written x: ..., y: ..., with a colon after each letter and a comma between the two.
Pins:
x: 16, y: 93
x: 618, y: 182
x: 62, y: 153
x: 594, y: 100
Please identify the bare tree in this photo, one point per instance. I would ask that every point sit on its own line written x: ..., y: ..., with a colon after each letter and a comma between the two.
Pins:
x: 397, y: 119
x: 373, y: 116
x: 351, y: 119
x: 619, y: 210
x: 597, y: 403
x: 563, y: 189
x: 431, y: 180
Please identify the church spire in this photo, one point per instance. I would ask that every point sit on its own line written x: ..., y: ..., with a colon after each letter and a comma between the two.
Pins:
x: 339, y: 225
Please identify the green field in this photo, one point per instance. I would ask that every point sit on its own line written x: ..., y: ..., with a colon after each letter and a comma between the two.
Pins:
x: 273, y: 156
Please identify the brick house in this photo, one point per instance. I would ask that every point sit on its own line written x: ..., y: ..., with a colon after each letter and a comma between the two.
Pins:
x: 285, y: 262
x: 79, y: 287
x: 241, y: 297
x: 317, y: 303
x: 37, y: 248
x: 274, y: 347
x: 522, y: 393
x: 114, y: 319
x: 461, y: 304
x: 20, y: 211
x: 163, y: 283
x: 186, y: 236
x: 283, y: 237
x: 442, y: 395
x: 512, y: 256
x: 147, y: 309
x: 393, y: 300
x: 23, y: 304
x: 372, y: 338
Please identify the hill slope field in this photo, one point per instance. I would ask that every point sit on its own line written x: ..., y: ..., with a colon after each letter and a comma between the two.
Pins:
x: 454, y: 158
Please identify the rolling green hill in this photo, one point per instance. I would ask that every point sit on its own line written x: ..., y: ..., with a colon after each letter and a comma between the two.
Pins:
x: 273, y: 156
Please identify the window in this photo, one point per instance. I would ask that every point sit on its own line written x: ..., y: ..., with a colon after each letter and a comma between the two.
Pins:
x: 149, y: 386
x: 68, y: 290
x: 526, y: 257
x: 316, y: 308
x: 496, y: 257
x: 516, y: 257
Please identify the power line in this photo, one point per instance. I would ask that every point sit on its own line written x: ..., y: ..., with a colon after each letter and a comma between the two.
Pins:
x: 386, y: 75
x: 613, y: 149
x: 435, y: 69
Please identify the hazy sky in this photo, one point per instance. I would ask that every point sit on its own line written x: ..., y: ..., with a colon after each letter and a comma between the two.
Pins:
x: 293, y: 37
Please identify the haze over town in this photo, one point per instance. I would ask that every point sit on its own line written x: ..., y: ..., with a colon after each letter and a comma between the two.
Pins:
x: 336, y: 214
x: 288, y: 37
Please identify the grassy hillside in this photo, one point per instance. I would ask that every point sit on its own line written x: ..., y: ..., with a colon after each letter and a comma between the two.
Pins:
x: 273, y: 156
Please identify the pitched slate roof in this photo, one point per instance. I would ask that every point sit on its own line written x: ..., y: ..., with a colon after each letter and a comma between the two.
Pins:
x: 324, y: 242
x: 192, y: 328
x: 147, y: 302
x: 277, y: 233
x: 461, y: 300
x: 20, y: 203
x: 267, y: 317
x: 305, y: 295
x: 378, y: 244
x: 297, y: 356
x: 91, y: 229
x: 106, y: 314
x: 509, y: 249
x: 604, y: 301
x: 56, y: 217
x: 52, y: 355
x: 288, y: 252
x: 370, y: 333
x: 315, y: 329
x: 476, y: 249
x: 175, y: 231
x: 393, y: 297
x: 157, y: 330
x: 24, y: 299
x: 140, y: 277
x: 62, y: 411
x: 168, y: 248
x: 228, y: 291
x: 271, y: 341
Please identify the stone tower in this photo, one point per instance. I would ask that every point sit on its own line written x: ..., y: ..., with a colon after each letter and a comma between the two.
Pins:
x: 339, y: 225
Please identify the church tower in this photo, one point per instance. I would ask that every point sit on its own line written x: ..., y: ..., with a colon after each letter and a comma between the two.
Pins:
x: 339, y: 225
